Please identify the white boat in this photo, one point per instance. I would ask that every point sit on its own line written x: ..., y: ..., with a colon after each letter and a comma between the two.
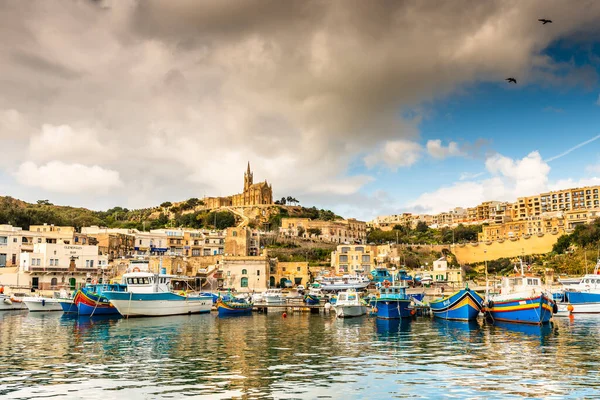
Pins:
x: 273, y: 296
x: 345, y: 282
x: 349, y: 304
x: 36, y: 304
x: 151, y: 295
x: 10, y: 303
x: 584, y: 297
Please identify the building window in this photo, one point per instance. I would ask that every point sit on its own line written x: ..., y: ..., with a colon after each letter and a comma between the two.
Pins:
x: 258, y: 272
x: 51, y: 262
x: 53, y: 282
x: 244, y: 282
x: 234, y: 233
x: 298, y: 269
x: 244, y: 272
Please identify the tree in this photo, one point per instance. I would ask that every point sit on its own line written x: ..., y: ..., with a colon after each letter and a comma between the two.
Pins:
x: 301, y: 231
x: 314, y: 231
x: 283, y: 201
x: 422, y: 226
x: 166, y: 204
x: 562, y: 244
x: 44, y: 203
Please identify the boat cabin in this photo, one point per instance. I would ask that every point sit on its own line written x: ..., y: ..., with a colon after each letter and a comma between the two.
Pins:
x: 520, y: 283
x: 348, y: 297
x: 147, y: 282
x: 393, y: 292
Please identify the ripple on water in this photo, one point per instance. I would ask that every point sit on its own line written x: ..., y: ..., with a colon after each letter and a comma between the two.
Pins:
x: 303, y: 356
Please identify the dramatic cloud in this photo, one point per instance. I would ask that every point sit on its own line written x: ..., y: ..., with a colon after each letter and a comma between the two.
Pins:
x: 176, y: 96
x: 436, y: 149
x: 59, y: 177
x: 394, y: 154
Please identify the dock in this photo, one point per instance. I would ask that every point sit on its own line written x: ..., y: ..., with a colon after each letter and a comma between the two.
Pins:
x: 291, y: 305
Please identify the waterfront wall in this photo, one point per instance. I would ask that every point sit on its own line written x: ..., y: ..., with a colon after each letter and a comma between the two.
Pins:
x: 470, y: 253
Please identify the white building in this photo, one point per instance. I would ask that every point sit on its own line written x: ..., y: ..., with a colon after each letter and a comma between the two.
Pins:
x: 150, y: 243
x: 441, y: 272
x: 15, y: 240
x: 245, y: 274
x: 54, y: 266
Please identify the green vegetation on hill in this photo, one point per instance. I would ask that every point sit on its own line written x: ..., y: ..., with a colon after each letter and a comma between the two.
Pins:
x: 21, y: 214
x: 425, y: 235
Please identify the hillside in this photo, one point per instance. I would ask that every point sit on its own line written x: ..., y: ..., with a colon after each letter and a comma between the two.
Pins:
x: 190, y: 213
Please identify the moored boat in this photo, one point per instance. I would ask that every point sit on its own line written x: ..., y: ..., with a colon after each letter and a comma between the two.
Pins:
x: 150, y: 295
x: 584, y: 297
x: 314, y: 295
x: 273, y: 296
x: 393, y: 302
x: 334, y: 284
x: 11, y: 303
x: 463, y: 305
x: 38, y: 304
x: 68, y: 306
x: 234, y: 307
x: 349, y: 304
x: 522, y: 300
x: 90, y: 299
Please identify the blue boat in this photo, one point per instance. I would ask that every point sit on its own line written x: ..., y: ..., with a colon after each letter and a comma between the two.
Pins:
x: 463, y: 305
x: 381, y: 274
x: 522, y: 300
x: 90, y: 299
x: 68, y: 306
x: 231, y: 308
x: 584, y: 297
x: 393, y: 303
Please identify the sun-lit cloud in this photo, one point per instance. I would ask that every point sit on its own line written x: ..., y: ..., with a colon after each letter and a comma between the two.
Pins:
x: 177, y: 96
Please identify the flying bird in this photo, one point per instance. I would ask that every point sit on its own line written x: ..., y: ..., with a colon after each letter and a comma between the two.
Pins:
x: 545, y: 21
x: 511, y: 80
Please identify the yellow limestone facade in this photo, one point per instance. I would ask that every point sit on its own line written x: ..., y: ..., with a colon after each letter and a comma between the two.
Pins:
x: 254, y: 194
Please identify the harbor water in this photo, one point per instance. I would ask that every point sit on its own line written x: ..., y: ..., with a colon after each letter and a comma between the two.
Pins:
x: 302, y: 356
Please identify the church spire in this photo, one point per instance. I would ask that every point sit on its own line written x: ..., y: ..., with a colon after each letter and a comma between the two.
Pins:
x: 248, y: 171
x: 248, y: 178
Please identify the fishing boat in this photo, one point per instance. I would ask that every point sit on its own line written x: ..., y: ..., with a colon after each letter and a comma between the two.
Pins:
x: 38, y: 304
x: 234, y: 307
x: 273, y: 296
x: 381, y: 274
x: 393, y: 302
x: 463, y: 305
x: 151, y: 295
x: 349, y: 304
x: 345, y: 282
x: 314, y: 295
x: 68, y: 306
x: 11, y: 303
x: 90, y: 299
x: 522, y: 299
x: 584, y: 298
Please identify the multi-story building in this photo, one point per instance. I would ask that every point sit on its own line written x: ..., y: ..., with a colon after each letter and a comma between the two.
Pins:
x: 339, y: 231
x: 150, y: 243
x: 214, y: 243
x: 55, y: 266
x: 354, y: 259
x: 246, y: 274
x: 281, y: 272
x: 242, y: 241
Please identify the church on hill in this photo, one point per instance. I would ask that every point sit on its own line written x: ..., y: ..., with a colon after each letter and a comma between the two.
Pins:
x: 253, y: 194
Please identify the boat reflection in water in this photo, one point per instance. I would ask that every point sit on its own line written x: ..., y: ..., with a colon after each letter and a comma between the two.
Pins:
x: 391, y: 327
x: 458, y: 330
x: 527, y: 329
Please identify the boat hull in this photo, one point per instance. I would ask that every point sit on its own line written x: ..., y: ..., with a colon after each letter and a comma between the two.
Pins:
x: 37, y: 304
x: 463, y: 305
x: 339, y: 287
x: 349, y: 311
x: 533, y: 310
x: 87, y: 309
x: 311, y: 300
x: 68, y: 306
x: 393, y: 308
x: 227, y: 309
x: 158, y: 304
x: 8, y: 304
x: 583, y: 302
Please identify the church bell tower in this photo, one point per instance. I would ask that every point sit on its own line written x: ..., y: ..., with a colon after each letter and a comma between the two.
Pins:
x: 248, y: 179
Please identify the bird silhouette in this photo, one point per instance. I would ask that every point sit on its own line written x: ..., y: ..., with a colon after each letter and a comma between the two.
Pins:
x: 511, y: 80
x: 545, y: 21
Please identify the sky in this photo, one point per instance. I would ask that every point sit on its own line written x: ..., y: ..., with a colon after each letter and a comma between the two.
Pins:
x: 365, y: 108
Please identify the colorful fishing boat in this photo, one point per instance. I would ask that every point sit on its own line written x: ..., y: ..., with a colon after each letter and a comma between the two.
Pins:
x: 522, y: 299
x: 151, y: 295
x: 90, y: 299
x: 234, y: 307
x: 393, y: 302
x: 463, y: 305
x: 584, y: 297
x: 314, y: 295
x: 68, y: 306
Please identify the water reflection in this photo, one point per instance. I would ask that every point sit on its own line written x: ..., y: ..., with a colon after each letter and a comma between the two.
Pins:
x: 302, y: 356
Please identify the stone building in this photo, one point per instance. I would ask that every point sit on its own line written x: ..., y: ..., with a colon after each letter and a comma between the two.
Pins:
x: 253, y: 194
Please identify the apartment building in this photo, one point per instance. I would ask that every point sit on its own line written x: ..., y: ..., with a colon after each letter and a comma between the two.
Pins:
x: 354, y: 259
x: 339, y: 231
